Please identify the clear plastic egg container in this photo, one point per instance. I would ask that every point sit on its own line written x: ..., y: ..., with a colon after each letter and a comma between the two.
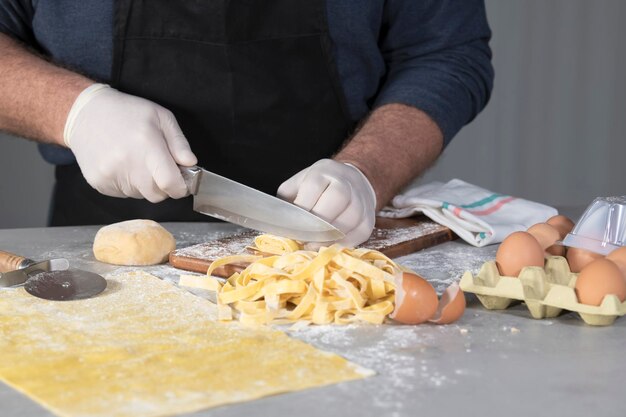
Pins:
x: 602, y: 227
x: 546, y: 292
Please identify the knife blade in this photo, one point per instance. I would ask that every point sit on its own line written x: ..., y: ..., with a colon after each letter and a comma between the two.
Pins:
x: 237, y: 203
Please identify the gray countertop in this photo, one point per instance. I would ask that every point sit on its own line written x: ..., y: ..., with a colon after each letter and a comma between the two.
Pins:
x: 488, y: 363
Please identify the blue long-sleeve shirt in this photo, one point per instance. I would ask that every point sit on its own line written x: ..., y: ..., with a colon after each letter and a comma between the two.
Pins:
x: 430, y: 54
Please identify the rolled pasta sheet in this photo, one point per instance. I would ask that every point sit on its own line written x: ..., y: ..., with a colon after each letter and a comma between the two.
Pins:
x: 275, y: 245
x: 333, y: 285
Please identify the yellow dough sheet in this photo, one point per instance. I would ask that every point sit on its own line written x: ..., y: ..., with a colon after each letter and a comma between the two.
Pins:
x: 147, y: 348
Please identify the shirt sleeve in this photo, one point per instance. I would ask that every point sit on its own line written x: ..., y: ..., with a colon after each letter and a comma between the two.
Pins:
x: 16, y: 17
x: 438, y: 59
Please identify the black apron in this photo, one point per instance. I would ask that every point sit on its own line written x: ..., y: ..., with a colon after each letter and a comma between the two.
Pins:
x: 252, y: 84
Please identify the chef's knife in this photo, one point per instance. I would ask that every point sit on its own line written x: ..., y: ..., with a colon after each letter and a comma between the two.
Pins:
x: 229, y: 200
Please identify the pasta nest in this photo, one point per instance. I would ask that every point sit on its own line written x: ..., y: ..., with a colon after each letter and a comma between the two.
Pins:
x: 283, y: 283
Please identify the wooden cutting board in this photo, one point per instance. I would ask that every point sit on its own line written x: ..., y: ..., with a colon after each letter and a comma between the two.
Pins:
x: 393, y: 237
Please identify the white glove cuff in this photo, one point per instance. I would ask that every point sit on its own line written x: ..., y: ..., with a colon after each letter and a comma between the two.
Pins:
x: 83, y: 98
x: 367, y: 181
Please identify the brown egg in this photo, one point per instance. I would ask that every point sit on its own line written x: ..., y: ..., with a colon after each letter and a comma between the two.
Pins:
x: 416, y: 300
x: 451, y: 306
x: 618, y: 256
x: 545, y: 233
x: 597, y: 279
x: 556, y: 250
x: 579, y: 258
x: 518, y: 250
x: 564, y: 224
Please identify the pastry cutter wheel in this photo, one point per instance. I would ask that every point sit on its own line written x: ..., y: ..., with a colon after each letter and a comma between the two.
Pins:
x: 51, y: 279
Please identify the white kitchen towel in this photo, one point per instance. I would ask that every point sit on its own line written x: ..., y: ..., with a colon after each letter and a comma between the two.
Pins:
x: 480, y: 217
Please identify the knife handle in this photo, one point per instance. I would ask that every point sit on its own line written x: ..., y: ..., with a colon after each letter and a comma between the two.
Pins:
x: 191, y: 176
x: 10, y: 261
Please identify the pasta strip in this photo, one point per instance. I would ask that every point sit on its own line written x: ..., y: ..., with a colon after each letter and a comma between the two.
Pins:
x: 333, y: 285
x: 275, y: 245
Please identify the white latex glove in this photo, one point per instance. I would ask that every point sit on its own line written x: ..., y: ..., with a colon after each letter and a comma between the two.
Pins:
x: 127, y: 146
x: 338, y: 193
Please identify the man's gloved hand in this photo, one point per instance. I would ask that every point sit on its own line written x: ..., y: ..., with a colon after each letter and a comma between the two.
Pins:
x: 127, y: 146
x: 338, y: 193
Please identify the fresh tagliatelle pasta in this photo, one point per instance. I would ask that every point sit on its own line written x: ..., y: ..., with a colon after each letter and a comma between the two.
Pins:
x: 285, y: 284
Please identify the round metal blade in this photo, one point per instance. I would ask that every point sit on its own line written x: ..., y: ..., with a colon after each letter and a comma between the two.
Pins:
x: 65, y: 285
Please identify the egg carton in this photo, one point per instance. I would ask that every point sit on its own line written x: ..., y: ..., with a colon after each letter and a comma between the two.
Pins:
x: 546, y: 292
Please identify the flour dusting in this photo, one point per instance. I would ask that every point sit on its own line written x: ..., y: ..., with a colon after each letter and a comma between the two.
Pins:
x: 404, y: 357
x: 382, y: 239
x: 444, y: 264
x: 211, y: 250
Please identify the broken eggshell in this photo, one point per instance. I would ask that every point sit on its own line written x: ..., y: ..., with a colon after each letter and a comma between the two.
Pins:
x: 416, y: 300
x: 451, y: 306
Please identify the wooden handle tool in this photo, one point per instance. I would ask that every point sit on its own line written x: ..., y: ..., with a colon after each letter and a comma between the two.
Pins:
x: 10, y: 261
x: 51, y: 279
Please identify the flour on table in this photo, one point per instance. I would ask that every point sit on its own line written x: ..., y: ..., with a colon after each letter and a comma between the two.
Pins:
x: 444, y: 264
x: 214, y: 249
x: 383, y: 238
x: 390, y: 350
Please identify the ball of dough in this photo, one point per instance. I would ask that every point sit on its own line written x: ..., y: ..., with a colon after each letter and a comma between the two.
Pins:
x: 133, y: 242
